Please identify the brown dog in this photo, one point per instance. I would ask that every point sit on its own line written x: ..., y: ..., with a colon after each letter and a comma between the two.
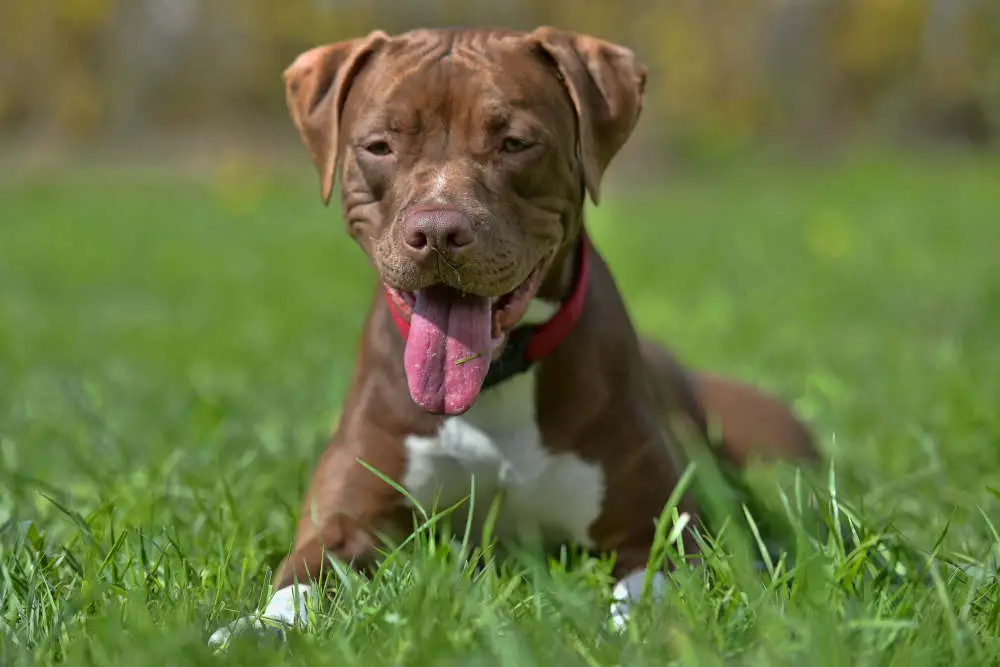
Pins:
x: 497, y: 345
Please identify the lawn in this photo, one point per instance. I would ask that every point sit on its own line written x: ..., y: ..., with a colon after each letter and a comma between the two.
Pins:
x: 174, y: 348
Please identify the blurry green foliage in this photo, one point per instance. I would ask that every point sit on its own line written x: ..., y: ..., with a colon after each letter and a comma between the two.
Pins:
x: 724, y: 74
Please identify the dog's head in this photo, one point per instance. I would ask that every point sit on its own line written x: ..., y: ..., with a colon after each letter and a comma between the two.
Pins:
x: 464, y: 158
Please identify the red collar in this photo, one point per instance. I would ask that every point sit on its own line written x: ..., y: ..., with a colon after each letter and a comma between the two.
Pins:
x: 527, y: 343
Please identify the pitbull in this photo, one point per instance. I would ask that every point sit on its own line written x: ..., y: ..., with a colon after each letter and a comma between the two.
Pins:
x: 497, y: 345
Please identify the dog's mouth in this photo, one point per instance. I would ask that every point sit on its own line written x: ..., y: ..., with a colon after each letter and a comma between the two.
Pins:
x: 453, y: 337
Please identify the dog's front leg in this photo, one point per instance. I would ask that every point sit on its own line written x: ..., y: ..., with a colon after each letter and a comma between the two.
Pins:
x: 347, y: 503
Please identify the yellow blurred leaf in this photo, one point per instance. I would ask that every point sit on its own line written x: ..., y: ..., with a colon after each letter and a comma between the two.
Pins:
x: 79, y: 106
x: 85, y: 13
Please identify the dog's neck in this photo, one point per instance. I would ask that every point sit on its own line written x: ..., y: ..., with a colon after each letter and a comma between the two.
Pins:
x: 530, y: 342
x: 559, y: 281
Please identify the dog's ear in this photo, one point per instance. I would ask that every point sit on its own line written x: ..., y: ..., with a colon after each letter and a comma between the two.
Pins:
x: 316, y: 87
x: 606, y: 83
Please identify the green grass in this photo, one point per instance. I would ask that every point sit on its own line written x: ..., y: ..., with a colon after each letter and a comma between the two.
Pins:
x: 173, y: 351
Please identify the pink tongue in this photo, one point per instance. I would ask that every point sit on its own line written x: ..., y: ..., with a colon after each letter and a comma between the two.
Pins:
x: 448, y: 349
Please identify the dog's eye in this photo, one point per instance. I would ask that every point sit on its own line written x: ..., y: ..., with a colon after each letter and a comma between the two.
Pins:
x: 515, y: 145
x: 380, y: 148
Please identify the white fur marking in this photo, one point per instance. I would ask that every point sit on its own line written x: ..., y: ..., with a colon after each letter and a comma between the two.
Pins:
x: 548, y: 497
x: 628, y: 591
x: 287, y: 607
x: 553, y: 498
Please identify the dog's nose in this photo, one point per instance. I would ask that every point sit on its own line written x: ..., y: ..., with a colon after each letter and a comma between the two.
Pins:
x: 446, y: 231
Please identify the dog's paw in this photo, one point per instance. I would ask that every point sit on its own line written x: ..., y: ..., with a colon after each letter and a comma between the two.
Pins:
x: 241, y: 626
x: 628, y: 591
x: 286, y: 609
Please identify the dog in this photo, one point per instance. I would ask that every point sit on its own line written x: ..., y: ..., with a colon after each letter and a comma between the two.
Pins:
x: 497, y: 345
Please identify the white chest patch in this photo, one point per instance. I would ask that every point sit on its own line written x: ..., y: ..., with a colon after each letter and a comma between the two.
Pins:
x: 544, y: 497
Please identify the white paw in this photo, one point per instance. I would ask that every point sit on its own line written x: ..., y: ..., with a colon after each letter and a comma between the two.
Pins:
x: 628, y: 591
x: 287, y: 608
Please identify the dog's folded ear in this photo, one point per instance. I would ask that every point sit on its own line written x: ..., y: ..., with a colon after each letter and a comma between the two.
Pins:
x: 606, y: 83
x: 316, y: 86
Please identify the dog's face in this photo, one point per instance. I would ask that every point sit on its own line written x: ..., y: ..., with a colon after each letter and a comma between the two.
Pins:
x: 456, y: 172
x: 464, y: 156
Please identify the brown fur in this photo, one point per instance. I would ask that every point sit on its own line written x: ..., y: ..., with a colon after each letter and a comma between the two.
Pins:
x: 444, y: 102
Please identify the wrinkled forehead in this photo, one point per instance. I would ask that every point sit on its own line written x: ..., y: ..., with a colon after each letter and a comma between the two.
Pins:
x: 416, y: 86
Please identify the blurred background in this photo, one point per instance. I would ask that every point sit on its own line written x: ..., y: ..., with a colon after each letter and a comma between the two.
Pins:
x: 181, y: 79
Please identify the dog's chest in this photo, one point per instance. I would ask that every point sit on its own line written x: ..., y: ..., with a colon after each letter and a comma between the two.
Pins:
x: 539, y: 496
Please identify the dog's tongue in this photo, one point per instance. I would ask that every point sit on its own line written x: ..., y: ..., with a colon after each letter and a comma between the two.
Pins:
x: 448, y: 349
